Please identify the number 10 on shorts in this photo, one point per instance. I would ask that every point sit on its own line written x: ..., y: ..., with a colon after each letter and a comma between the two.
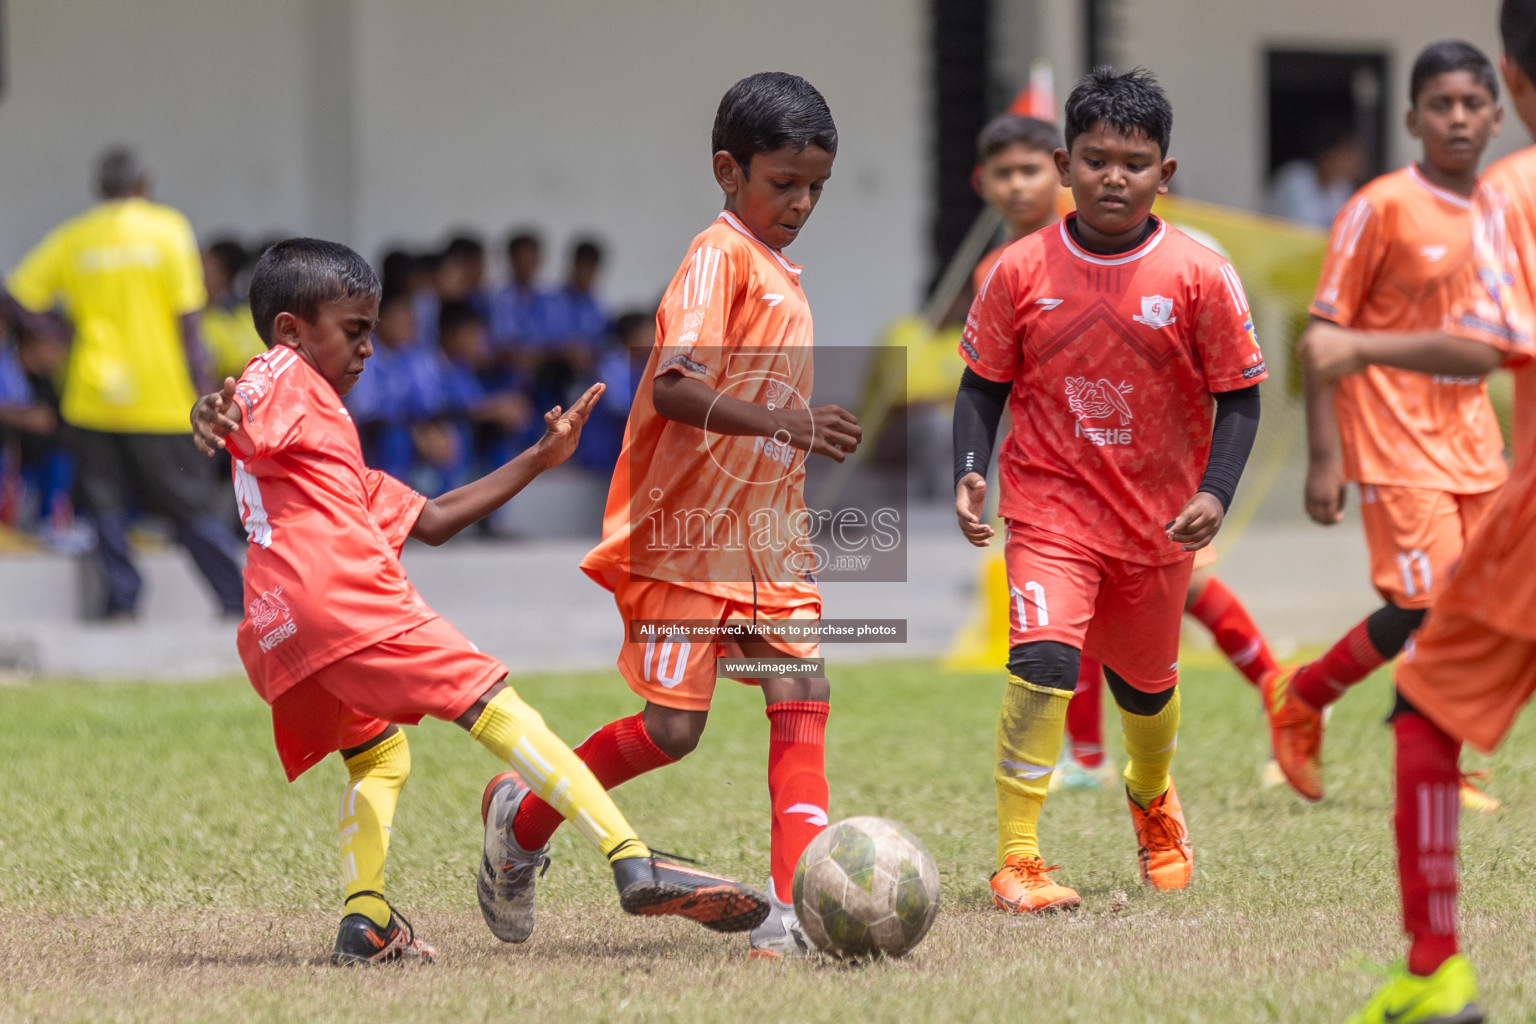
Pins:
x: 1021, y: 605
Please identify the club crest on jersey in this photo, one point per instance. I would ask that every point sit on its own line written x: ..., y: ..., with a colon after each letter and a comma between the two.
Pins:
x: 1100, y: 400
x: 1156, y: 311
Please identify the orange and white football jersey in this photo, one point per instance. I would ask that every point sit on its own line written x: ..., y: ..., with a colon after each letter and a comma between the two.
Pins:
x: 720, y: 514
x: 1393, y: 257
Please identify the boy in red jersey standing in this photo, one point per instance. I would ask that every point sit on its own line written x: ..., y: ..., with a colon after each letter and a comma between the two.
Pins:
x: 1108, y: 335
x: 713, y: 464
x: 335, y: 638
x: 1473, y: 664
x: 1425, y: 449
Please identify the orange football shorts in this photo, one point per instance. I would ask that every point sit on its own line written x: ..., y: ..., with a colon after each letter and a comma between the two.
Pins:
x: 1415, y: 536
x: 1469, y: 678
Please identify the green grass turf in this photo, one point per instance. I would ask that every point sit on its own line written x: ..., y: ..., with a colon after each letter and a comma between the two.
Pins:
x: 154, y: 865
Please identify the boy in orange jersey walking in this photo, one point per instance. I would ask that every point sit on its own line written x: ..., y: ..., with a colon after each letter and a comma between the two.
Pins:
x: 1108, y: 335
x: 335, y: 638
x: 1425, y: 449
x: 700, y: 522
x: 1473, y: 664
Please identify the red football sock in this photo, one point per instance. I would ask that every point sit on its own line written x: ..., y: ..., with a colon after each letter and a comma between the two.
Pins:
x: 797, y: 783
x: 1085, y: 715
x: 616, y: 753
x: 1428, y: 806
x: 1219, y: 610
x: 1324, y: 681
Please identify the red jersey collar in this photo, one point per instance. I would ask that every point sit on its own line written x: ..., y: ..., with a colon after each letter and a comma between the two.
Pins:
x: 1119, y: 258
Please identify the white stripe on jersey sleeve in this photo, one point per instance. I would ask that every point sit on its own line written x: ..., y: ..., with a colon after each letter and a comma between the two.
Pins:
x: 1235, y: 288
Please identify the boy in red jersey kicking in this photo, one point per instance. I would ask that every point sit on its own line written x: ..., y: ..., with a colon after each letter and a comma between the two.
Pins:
x: 1473, y: 664
x: 713, y: 457
x: 1108, y: 335
x: 1425, y: 449
x: 337, y: 640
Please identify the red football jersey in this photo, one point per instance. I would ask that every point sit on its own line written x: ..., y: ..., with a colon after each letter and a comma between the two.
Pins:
x: 1113, y: 360
x: 323, y: 576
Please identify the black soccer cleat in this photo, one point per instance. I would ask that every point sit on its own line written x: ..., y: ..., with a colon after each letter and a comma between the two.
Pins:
x: 653, y: 887
x: 360, y: 941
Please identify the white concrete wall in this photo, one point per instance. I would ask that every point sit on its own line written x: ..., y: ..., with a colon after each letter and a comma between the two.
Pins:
x: 1209, y: 55
x: 378, y: 120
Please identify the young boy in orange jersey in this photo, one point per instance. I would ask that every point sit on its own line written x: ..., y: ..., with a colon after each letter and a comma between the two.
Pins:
x: 1108, y: 335
x: 1424, y: 449
x: 1016, y: 176
x: 1473, y: 664
x: 715, y: 440
x: 337, y: 640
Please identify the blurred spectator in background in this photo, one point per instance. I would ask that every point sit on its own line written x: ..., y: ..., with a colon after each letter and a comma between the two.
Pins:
x: 37, y: 472
x: 519, y: 315
x: 380, y: 402
x: 127, y: 276
x: 1314, y: 190
x: 461, y: 276
x: 227, y: 328
x: 620, y: 363
x: 574, y: 326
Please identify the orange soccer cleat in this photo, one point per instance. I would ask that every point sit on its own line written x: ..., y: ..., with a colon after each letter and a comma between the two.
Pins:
x: 1023, y: 886
x: 1163, y: 850
x: 1295, y: 733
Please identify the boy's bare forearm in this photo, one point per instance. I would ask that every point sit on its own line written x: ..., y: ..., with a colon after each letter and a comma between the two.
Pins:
x: 1430, y: 353
x: 449, y: 514
x: 1322, y: 422
x: 694, y: 403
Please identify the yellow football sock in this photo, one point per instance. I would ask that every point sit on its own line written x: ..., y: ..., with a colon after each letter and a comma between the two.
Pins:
x: 516, y: 733
x: 367, y: 810
x: 1029, y: 730
x: 1150, y: 741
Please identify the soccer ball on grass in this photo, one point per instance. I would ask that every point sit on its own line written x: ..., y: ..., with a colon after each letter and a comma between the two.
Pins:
x: 864, y: 887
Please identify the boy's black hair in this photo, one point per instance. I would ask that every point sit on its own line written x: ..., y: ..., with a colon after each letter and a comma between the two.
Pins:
x: 300, y: 275
x: 454, y: 315
x: 628, y: 323
x: 1131, y: 102
x: 464, y: 246
x: 519, y: 239
x: 396, y: 268
x: 230, y: 254
x: 1446, y: 56
x: 1004, y: 130
x: 771, y: 110
x: 119, y: 173
x: 587, y: 250
x: 1517, y: 28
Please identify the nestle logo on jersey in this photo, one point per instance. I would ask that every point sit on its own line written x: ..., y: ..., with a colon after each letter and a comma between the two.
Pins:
x: 278, y: 635
x: 1097, y: 401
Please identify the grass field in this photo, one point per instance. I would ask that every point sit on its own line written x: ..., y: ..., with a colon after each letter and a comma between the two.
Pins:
x: 155, y: 866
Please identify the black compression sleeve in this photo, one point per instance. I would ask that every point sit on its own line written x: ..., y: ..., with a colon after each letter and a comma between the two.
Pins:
x: 1237, y: 424
x: 979, y: 407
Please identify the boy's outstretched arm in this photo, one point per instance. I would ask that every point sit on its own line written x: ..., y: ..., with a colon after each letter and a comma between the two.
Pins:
x: 444, y: 516
x: 828, y: 430
x: 1329, y: 352
x: 214, y: 417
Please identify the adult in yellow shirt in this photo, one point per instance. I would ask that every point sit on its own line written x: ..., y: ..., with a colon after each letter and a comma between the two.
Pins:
x: 126, y: 278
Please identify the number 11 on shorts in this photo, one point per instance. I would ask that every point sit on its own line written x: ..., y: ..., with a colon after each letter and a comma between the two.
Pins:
x: 1037, y: 598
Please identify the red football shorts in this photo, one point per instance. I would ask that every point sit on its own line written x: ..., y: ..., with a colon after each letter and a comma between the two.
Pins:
x: 1124, y: 614
x: 1467, y: 677
x: 1415, y: 536
x: 680, y: 673
x: 430, y: 669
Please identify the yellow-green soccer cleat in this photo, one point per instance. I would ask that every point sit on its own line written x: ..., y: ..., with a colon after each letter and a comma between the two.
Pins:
x: 1449, y: 996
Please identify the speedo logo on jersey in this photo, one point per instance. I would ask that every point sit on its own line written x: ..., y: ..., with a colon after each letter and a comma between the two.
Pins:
x: 1100, y: 400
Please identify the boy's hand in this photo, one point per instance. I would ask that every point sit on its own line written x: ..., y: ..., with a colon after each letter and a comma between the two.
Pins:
x: 1325, y: 491
x: 828, y: 430
x: 1329, y: 352
x: 1197, y: 522
x: 215, y: 417
x: 562, y: 430
x: 970, y: 499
